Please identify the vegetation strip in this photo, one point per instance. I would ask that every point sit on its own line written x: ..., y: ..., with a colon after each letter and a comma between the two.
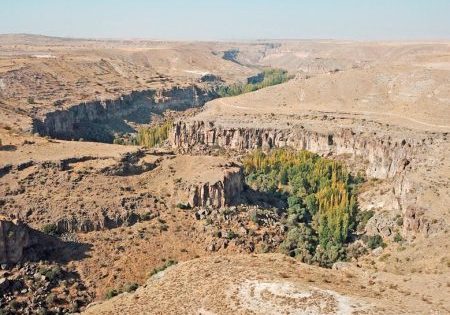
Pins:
x: 320, y: 194
x: 267, y: 78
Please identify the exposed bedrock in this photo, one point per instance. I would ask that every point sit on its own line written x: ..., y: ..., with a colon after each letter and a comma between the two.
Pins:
x: 96, y: 222
x: 98, y: 120
x: 225, y: 192
x: 385, y: 157
x: 394, y: 159
x: 19, y: 242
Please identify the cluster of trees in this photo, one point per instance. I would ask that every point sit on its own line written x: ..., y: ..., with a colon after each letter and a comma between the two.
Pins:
x: 321, y: 201
x: 267, y: 78
x: 155, y: 135
x: 125, y: 139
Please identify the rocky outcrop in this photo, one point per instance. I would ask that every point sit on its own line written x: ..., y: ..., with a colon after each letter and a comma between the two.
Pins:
x: 385, y: 157
x: 18, y: 242
x: 414, y: 221
x: 225, y: 192
x: 132, y: 209
x: 97, y: 222
x: 385, y: 224
x: 86, y: 120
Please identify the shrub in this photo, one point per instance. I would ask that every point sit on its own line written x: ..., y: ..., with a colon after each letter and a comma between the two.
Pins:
x: 355, y: 250
x: 398, y: 238
x: 163, y: 227
x: 375, y: 241
x: 208, y: 221
x: 311, y: 204
x: 15, y: 305
x: 293, y: 201
x: 51, y: 274
x: 231, y: 235
x: 50, y: 229
x: 326, y: 256
x: 51, y: 299
x: 183, y: 206
x: 41, y: 311
x: 255, y: 217
x: 362, y: 218
x: 147, y: 216
x: 118, y: 140
x: 130, y: 287
x: 163, y: 267
x: 300, y: 242
x: 124, y: 139
x: 297, y: 214
x: 265, y: 248
x: 111, y: 293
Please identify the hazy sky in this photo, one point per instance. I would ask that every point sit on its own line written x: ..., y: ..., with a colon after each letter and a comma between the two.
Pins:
x: 229, y: 19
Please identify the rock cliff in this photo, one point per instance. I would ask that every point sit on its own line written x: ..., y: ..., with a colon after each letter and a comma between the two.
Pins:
x: 18, y: 242
x: 402, y: 162
x: 225, y: 192
x: 87, y: 120
x: 385, y: 157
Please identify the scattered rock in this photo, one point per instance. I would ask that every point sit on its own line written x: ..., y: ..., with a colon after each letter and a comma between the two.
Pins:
x: 377, y: 251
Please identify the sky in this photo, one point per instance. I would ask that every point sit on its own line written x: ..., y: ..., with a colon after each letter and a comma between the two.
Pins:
x: 229, y: 19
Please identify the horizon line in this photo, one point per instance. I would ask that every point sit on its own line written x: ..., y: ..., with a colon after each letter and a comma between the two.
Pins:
x: 70, y: 37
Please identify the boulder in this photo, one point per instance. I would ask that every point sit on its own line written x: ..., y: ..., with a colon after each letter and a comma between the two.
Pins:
x: 4, y: 284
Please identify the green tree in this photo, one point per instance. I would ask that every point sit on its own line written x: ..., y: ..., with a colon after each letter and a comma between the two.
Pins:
x: 155, y: 135
x: 320, y: 195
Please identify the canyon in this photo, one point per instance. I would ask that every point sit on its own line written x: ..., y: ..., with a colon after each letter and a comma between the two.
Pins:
x: 99, y: 120
x: 109, y: 214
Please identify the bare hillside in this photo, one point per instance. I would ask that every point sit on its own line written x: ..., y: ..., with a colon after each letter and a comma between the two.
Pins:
x: 263, y: 284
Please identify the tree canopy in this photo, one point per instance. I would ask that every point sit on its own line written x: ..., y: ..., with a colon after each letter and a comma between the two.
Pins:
x: 320, y: 196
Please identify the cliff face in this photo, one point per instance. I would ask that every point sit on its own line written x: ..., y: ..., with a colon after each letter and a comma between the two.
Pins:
x: 225, y: 192
x: 18, y: 241
x: 86, y: 120
x: 385, y: 157
x: 96, y: 222
x: 398, y: 161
